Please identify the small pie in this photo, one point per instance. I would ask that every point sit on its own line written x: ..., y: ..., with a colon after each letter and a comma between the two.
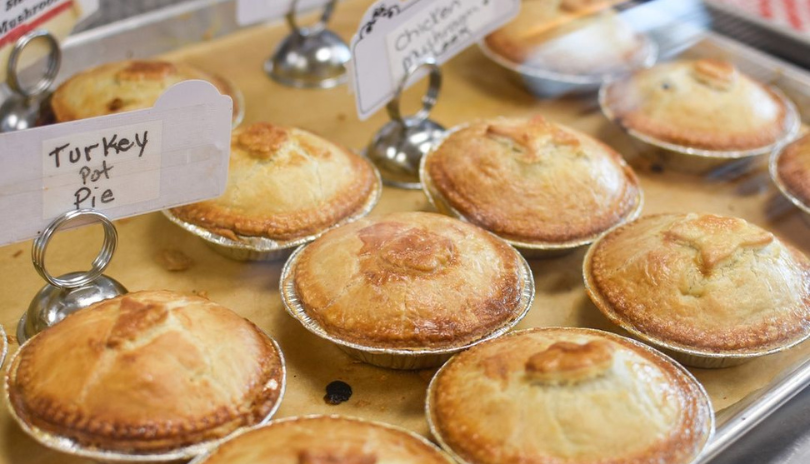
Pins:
x: 579, y: 37
x: 568, y: 395
x: 793, y: 169
x: 703, y: 284
x: 284, y: 183
x: 125, y: 86
x: 327, y: 440
x: 410, y: 281
x: 533, y: 181
x: 147, y: 372
x: 703, y: 104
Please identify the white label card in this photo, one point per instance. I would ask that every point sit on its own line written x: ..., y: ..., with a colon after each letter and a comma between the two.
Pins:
x: 125, y: 164
x: 396, y: 34
x: 100, y: 169
x: 256, y: 11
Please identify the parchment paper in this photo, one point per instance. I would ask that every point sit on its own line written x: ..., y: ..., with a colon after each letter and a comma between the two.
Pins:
x: 473, y: 88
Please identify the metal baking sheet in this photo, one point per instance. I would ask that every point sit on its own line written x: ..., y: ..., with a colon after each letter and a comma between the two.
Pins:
x: 741, y: 395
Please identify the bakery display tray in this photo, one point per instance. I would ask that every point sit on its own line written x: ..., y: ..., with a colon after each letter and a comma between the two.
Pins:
x: 204, y: 33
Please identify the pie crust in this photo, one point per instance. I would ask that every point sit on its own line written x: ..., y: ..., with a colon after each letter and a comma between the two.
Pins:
x: 702, y: 283
x: 702, y: 104
x: 126, y: 86
x: 284, y: 183
x: 146, y: 372
x: 410, y: 281
x: 793, y: 169
x: 327, y: 440
x: 533, y: 181
x: 572, y: 395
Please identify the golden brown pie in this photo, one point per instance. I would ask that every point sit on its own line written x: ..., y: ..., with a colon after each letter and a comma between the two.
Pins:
x: 410, y: 281
x: 568, y: 395
x: 702, y: 283
x: 581, y: 37
x: 705, y: 104
x: 793, y: 169
x: 125, y: 86
x: 284, y: 183
x: 327, y: 440
x: 533, y: 181
x: 147, y: 372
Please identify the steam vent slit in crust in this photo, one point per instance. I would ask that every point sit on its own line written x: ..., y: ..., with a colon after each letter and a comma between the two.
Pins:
x: 702, y: 284
x: 147, y: 372
x: 284, y: 183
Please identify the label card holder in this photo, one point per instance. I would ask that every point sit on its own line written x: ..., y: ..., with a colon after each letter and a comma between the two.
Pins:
x: 396, y: 35
x: 125, y: 164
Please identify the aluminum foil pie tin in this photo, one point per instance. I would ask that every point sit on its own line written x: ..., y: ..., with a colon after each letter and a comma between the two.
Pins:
x: 433, y: 425
x: 528, y: 249
x: 773, y: 166
x: 395, y: 358
x: 266, y: 249
x: 203, y: 458
x: 71, y: 447
x: 544, y: 83
x: 3, y: 345
x: 688, y: 356
x: 698, y: 161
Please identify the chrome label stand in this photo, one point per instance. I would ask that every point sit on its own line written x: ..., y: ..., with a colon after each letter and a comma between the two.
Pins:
x: 398, y: 147
x: 23, y: 108
x: 73, y: 291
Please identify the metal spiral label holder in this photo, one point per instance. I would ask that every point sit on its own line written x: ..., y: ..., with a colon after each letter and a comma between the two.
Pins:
x: 23, y: 108
x: 310, y: 57
x: 70, y: 292
x: 398, y: 147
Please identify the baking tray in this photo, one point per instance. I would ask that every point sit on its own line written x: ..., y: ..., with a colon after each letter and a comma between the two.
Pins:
x: 209, y: 38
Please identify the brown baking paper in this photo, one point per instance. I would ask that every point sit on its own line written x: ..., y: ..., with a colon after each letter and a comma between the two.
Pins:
x: 155, y: 254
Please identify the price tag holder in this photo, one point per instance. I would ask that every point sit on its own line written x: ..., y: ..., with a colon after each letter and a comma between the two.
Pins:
x: 396, y: 35
x: 126, y: 164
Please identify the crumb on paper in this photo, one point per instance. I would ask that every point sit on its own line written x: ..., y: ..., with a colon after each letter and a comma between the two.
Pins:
x: 17, y: 254
x: 201, y: 293
x: 174, y: 260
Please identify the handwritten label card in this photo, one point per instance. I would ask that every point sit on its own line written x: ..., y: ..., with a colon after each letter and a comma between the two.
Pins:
x: 396, y: 34
x: 106, y: 168
x: 125, y: 164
